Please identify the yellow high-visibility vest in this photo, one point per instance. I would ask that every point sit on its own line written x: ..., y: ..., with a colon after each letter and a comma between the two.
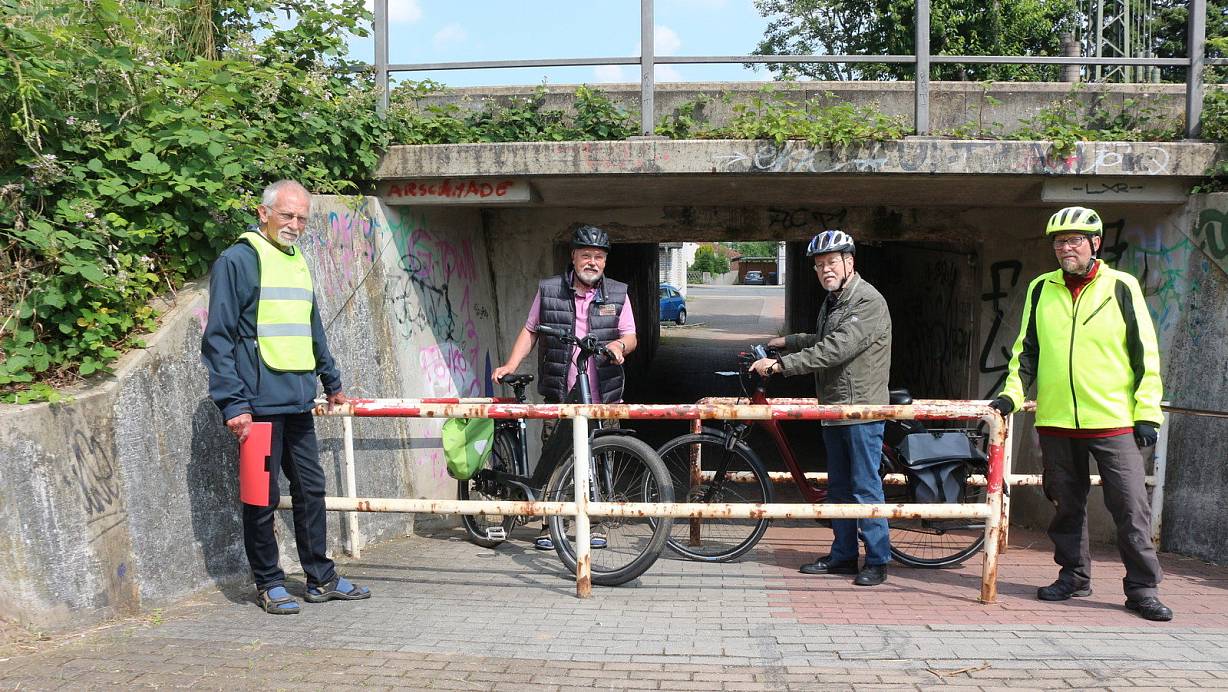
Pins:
x: 283, y: 314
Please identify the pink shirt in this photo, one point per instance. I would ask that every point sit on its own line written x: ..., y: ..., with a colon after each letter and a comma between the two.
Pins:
x: 626, y: 325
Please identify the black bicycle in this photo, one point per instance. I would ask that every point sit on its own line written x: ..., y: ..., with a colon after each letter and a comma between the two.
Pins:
x: 621, y: 469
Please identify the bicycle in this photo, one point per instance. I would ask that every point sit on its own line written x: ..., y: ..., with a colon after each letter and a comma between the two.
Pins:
x: 729, y: 471
x: 622, y: 469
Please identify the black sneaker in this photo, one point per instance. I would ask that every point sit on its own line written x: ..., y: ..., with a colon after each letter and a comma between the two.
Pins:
x: 1061, y: 591
x: 1150, y: 608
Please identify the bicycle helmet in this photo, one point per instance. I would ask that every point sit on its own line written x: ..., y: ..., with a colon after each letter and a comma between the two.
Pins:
x: 1074, y: 220
x: 590, y: 236
x: 831, y: 241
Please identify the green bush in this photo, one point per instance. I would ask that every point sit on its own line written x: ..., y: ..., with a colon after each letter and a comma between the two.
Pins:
x: 140, y: 136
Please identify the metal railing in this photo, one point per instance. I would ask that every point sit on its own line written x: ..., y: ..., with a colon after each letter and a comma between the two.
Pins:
x: 921, y: 59
x: 994, y: 510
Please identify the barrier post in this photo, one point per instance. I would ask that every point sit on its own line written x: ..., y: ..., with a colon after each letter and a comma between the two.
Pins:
x: 1008, y: 469
x: 584, y: 557
x: 1159, y: 464
x: 994, y: 531
x: 694, y: 537
x: 351, y: 518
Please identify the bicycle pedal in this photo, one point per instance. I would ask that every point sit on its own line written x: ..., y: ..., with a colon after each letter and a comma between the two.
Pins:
x: 496, y: 533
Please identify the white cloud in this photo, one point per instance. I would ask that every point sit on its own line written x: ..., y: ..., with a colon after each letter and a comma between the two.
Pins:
x: 667, y: 73
x: 400, y: 10
x: 451, y: 33
x: 665, y: 40
x: 610, y: 74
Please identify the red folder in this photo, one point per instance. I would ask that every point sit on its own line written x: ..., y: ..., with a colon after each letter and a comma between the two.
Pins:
x: 254, y: 464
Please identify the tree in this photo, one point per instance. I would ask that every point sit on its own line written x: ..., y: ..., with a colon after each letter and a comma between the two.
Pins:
x: 1169, y: 25
x: 755, y: 248
x: 707, y: 260
x: 885, y: 27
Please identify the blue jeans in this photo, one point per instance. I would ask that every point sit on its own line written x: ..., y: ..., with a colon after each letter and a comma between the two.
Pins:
x: 853, y: 455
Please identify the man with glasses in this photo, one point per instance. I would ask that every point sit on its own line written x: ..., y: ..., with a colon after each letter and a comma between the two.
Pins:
x: 1088, y: 344
x: 264, y: 347
x: 582, y: 301
x: 850, y: 356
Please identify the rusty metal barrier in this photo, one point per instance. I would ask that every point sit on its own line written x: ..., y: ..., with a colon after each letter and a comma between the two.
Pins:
x: 993, y: 510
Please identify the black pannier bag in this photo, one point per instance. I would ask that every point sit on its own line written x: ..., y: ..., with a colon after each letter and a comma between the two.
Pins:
x: 937, y: 464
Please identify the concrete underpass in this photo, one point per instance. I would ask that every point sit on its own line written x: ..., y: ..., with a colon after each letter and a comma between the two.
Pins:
x: 424, y: 286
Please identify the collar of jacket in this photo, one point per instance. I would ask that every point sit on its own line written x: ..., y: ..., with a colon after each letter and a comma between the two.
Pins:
x: 846, y: 293
x: 569, y: 280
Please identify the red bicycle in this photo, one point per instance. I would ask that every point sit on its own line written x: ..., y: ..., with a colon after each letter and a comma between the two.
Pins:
x: 719, y: 466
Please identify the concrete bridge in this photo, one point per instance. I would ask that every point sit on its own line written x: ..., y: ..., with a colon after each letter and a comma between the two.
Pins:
x: 125, y: 498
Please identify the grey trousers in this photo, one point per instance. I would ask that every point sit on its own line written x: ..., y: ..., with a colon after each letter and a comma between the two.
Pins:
x: 1066, y: 483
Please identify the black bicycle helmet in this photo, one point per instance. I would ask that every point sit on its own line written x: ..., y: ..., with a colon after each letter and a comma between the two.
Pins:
x: 831, y: 241
x: 590, y: 236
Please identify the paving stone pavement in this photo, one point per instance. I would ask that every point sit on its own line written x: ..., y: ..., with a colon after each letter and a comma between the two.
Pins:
x: 450, y: 615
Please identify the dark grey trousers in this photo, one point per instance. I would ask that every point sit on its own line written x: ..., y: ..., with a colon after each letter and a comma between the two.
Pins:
x: 1125, y: 495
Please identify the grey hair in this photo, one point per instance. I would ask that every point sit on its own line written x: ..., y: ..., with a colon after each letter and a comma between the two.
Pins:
x: 269, y: 196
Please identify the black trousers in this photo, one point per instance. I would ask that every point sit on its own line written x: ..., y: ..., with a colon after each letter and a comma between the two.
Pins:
x: 295, y: 452
x: 1067, y: 482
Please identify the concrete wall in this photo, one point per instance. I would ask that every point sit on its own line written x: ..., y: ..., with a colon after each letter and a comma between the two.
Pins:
x: 125, y: 498
x: 998, y: 107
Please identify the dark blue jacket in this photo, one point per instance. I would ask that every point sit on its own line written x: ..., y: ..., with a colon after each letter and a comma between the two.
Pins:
x: 239, y: 382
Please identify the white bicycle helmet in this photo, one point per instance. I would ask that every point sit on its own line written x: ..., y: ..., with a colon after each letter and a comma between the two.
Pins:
x: 831, y: 241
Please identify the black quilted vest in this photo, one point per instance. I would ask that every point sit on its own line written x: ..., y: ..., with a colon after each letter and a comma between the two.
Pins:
x: 558, y: 310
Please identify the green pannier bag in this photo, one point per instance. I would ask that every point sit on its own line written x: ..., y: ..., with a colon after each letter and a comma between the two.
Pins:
x: 467, y: 443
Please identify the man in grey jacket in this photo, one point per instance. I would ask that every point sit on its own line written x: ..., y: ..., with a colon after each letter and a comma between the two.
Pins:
x: 850, y: 356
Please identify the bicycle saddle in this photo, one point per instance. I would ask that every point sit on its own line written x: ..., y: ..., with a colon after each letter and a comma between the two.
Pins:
x: 514, y: 380
x: 900, y: 397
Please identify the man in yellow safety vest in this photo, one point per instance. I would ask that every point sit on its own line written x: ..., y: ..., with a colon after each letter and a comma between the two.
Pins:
x: 264, y: 347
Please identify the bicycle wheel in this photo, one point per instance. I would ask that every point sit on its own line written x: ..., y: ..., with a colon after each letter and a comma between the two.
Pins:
x: 715, y: 539
x: 482, y: 488
x: 624, y: 469
x: 934, y: 542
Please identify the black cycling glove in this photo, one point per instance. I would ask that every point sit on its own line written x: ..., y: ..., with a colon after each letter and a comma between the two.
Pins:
x: 1145, y: 434
x: 1002, y: 405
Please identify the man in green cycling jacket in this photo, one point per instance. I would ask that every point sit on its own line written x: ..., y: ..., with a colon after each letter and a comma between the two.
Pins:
x: 1088, y: 344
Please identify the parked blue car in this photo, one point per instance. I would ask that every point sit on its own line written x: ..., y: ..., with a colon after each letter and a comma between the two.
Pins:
x: 673, y: 305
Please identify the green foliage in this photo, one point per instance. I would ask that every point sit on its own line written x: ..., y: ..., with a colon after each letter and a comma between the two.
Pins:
x: 687, y: 121
x: 1067, y: 122
x: 1169, y: 20
x: 139, y: 138
x: 885, y: 27
x: 838, y: 124
x: 708, y: 260
x: 418, y: 113
x: 1215, y: 129
x: 755, y: 248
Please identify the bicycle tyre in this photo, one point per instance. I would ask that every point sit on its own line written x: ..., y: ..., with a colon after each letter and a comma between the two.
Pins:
x: 633, y: 544
x: 933, y: 543
x: 501, y: 458
x: 721, y: 540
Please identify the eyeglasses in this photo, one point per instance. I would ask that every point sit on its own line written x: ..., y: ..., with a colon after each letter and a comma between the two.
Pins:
x: 287, y: 217
x: 833, y: 263
x: 1072, y: 241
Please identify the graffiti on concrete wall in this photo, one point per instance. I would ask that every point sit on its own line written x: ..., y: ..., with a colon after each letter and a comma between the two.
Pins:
x: 433, y: 295
x: 1159, y: 259
x: 343, y: 245
x: 1089, y: 158
x: 995, y: 350
x: 803, y: 219
x: 1211, y: 235
x: 92, y: 473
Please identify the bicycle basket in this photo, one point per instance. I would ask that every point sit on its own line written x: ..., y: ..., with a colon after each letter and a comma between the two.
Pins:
x: 467, y: 444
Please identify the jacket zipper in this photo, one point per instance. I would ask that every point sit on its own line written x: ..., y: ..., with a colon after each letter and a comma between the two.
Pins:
x: 1097, y: 310
x: 1074, y: 320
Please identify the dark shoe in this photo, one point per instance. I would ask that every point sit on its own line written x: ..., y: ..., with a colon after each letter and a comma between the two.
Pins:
x: 871, y: 575
x: 277, y: 601
x: 543, y: 542
x: 824, y: 565
x: 339, y: 588
x: 1060, y: 591
x: 1150, y: 608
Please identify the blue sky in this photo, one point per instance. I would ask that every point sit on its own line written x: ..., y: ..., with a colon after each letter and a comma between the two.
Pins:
x: 446, y: 31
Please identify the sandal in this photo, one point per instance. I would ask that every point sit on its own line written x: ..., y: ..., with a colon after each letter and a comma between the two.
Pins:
x: 339, y: 588
x: 276, y: 600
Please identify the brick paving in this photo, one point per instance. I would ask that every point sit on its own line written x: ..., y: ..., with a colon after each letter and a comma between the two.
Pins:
x: 450, y: 615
